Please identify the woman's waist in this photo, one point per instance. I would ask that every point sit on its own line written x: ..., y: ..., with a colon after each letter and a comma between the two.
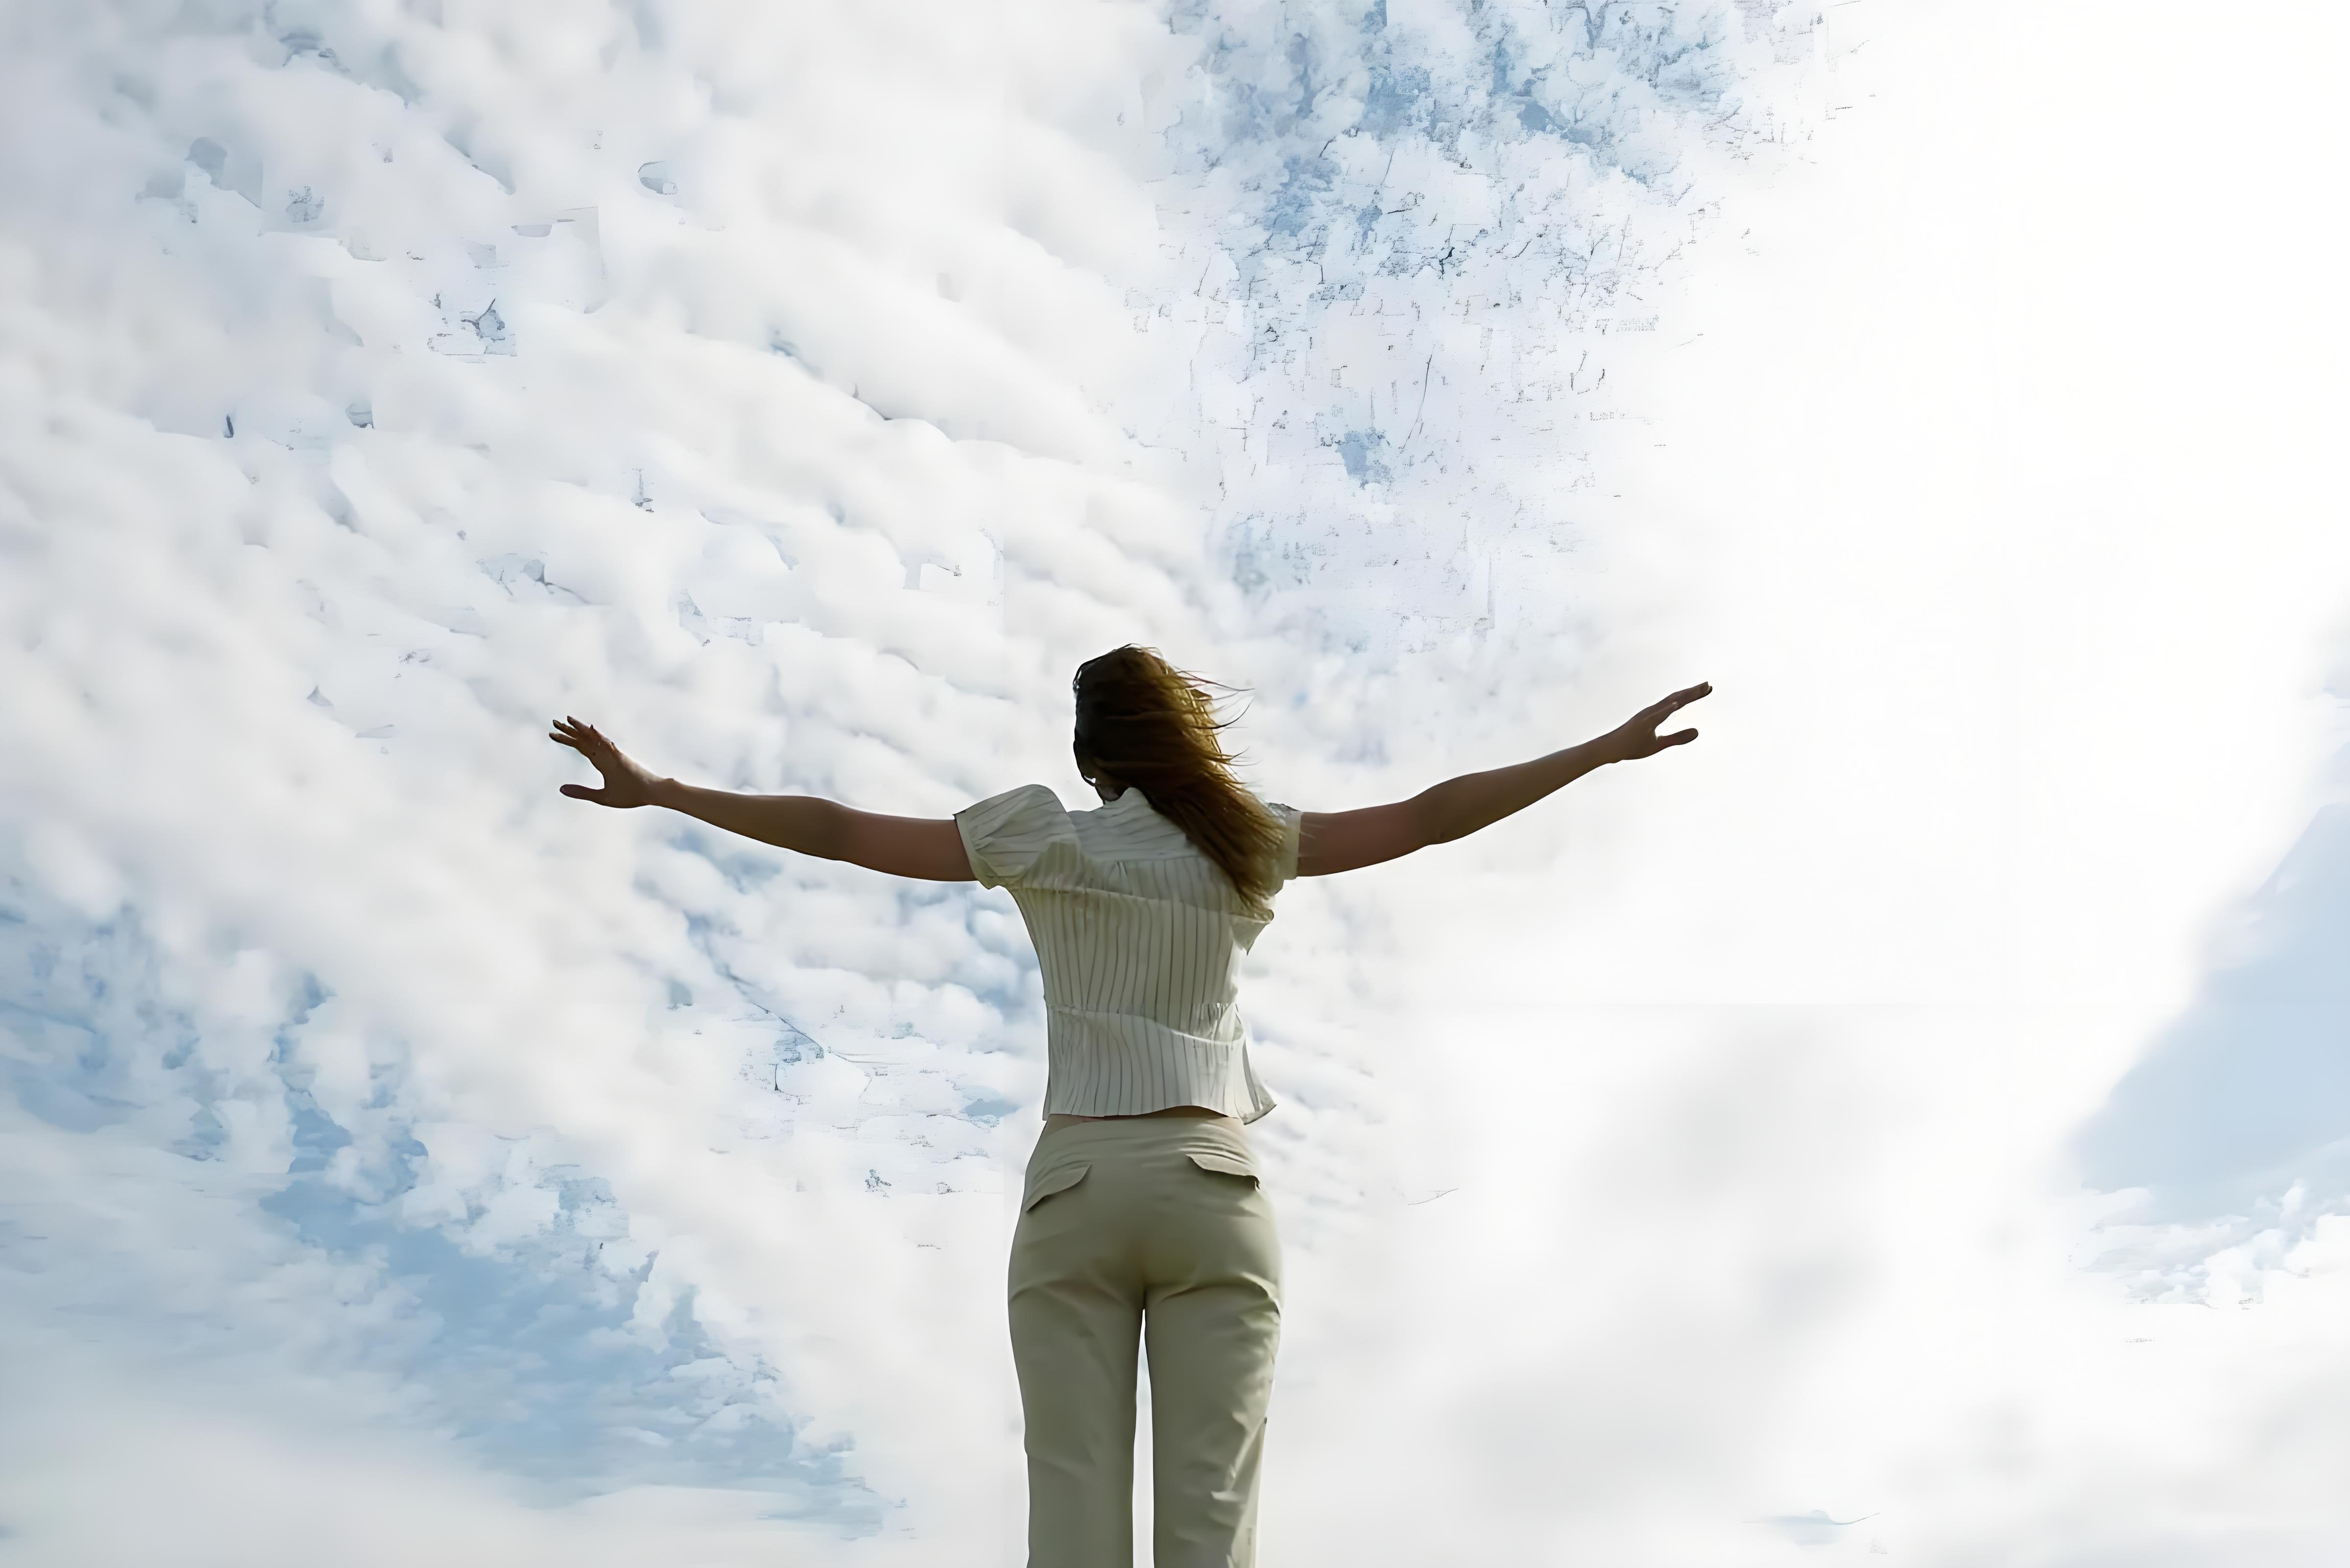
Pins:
x: 1175, y: 1130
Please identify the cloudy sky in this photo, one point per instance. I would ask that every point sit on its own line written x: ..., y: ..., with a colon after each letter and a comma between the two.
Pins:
x: 1911, y: 1125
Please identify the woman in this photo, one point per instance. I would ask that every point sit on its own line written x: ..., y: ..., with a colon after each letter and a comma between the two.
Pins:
x: 1128, y: 1232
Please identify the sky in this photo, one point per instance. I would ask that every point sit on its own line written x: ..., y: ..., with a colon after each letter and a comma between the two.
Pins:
x: 1909, y: 1125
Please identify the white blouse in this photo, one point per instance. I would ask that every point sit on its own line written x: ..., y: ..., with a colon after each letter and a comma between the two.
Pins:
x: 1140, y: 936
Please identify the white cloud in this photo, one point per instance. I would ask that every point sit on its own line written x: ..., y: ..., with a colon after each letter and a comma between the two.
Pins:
x: 404, y: 1160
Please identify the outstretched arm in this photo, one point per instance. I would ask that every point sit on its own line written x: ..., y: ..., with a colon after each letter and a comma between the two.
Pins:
x: 1331, y: 841
x: 928, y: 848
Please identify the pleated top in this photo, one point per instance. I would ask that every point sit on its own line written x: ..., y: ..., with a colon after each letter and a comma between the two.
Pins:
x: 1139, y: 936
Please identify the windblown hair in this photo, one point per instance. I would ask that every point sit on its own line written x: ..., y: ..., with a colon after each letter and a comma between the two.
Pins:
x: 1153, y: 728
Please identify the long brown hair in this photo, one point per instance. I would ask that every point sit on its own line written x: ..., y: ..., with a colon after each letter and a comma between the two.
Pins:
x: 1153, y: 728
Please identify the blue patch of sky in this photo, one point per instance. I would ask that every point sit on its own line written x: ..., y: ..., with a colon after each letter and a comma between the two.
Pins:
x: 2246, y: 1094
x: 1360, y: 450
x: 528, y: 1356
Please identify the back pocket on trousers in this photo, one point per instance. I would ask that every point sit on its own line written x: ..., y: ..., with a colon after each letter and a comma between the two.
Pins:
x: 1231, y: 1164
x: 1058, y: 1181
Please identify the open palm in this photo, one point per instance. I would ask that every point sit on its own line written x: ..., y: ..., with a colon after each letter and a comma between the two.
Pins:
x: 1636, y: 736
x: 626, y: 784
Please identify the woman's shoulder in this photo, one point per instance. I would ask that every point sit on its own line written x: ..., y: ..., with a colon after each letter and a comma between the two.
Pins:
x: 1010, y: 837
x: 1024, y: 811
x: 1030, y: 798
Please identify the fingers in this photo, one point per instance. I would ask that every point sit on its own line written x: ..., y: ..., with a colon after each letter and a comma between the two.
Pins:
x: 579, y: 737
x: 1682, y: 699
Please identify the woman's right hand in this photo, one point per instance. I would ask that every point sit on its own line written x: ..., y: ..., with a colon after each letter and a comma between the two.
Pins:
x: 1637, y: 737
x: 626, y: 784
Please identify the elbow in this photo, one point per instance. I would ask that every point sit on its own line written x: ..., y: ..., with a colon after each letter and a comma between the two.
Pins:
x: 1432, y: 820
x: 827, y: 832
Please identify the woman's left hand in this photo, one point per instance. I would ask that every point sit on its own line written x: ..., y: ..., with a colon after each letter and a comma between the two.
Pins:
x: 626, y: 784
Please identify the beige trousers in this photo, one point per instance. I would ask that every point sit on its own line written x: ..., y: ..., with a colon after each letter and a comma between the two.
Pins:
x: 1159, y: 1232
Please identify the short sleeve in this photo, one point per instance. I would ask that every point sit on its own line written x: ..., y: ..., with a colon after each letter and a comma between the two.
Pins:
x: 1291, y: 820
x: 1006, y: 835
